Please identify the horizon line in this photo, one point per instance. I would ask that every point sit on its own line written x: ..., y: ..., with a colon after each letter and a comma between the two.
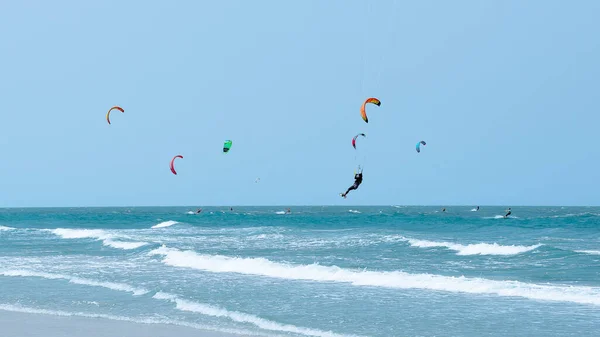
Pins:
x: 298, y: 205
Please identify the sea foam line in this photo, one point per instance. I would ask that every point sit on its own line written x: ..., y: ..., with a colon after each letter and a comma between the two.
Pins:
x: 474, y: 249
x: 590, y: 252
x: 22, y: 309
x: 388, y: 279
x: 240, y: 317
x: 98, y: 234
x: 183, y: 305
x: 75, y: 280
x: 4, y: 228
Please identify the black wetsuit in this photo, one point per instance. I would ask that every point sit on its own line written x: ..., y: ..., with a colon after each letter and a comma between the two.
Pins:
x: 357, y: 181
x: 507, y: 214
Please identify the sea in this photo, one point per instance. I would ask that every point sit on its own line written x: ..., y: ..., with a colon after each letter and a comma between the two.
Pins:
x: 324, y: 271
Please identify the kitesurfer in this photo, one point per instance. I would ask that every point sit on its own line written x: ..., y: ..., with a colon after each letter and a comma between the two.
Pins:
x: 477, y: 207
x: 508, y: 212
x: 199, y: 210
x: 358, y: 177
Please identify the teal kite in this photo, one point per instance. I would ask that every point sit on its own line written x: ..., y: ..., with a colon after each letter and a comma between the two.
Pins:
x: 227, y: 146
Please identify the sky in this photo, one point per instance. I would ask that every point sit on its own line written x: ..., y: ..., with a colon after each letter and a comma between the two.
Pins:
x: 505, y: 93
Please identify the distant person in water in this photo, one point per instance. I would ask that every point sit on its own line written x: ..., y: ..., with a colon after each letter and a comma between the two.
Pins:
x: 199, y: 210
x: 477, y: 207
x: 443, y: 209
x: 231, y: 208
x: 288, y: 211
x: 357, y: 181
x: 508, y: 212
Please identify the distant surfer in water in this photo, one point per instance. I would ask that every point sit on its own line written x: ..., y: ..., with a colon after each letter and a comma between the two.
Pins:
x: 288, y: 211
x: 443, y: 209
x: 358, y: 177
x: 477, y: 207
x: 199, y: 210
x: 508, y: 212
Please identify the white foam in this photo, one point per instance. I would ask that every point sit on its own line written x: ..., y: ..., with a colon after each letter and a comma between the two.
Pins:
x: 353, y: 211
x: 501, y: 217
x: 165, y: 224
x: 94, y: 303
x: 280, y: 212
x: 76, y: 280
x: 474, y: 210
x: 123, y: 244
x: 475, y: 249
x: 98, y: 234
x: 4, y: 228
x: 389, y: 279
x: 240, y: 317
x: 164, y: 296
x: 266, y: 236
x: 67, y: 233
x: 591, y: 252
x: 150, y: 320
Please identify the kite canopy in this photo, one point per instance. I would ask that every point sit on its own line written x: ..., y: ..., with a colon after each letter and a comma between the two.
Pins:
x: 172, y: 161
x: 227, y: 146
x: 354, y: 139
x: 363, y: 113
x: 419, y: 145
x: 111, y: 109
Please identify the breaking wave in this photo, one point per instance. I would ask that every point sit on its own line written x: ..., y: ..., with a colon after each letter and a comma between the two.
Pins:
x: 98, y: 234
x: 387, y: 279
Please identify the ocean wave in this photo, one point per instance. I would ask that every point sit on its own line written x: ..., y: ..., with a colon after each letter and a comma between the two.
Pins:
x: 387, y: 279
x: 76, y: 280
x: 67, y: 233
x: 98, y: 234
x: 240, y: 317
x: 354, y: 211
x: 590, y: 252
x: 165, y: 224
x: 474, y: 249
x: 123, y: 244
x: 4, y: 228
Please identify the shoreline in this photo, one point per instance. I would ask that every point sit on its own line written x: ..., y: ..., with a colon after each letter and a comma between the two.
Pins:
x: 32, y: 324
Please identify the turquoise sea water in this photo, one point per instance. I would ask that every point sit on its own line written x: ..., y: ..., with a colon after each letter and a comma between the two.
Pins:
x: 319, y: 271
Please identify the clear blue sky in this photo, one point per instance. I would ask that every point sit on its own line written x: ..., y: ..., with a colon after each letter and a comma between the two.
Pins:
x: 506, y: 94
